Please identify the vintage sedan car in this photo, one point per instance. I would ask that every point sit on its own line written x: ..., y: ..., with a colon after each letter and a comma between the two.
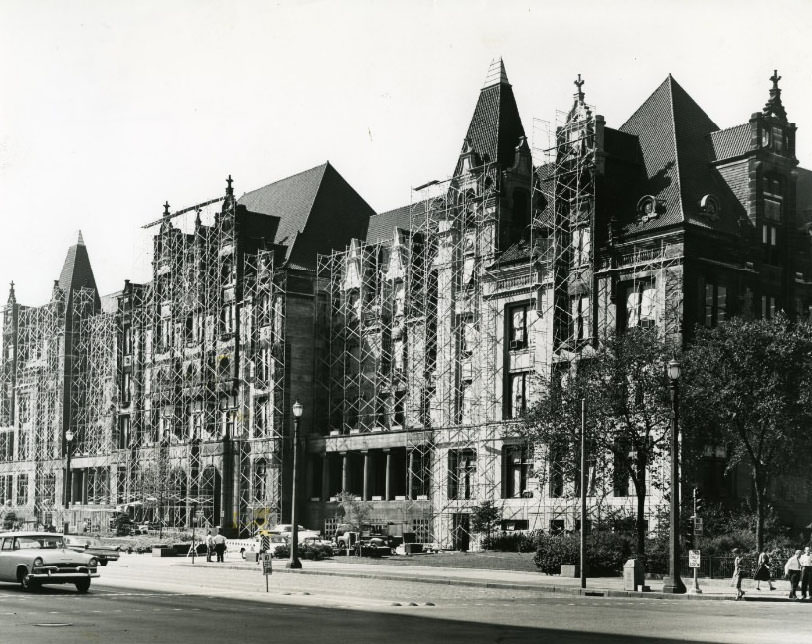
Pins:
x: 36, y: 558
x: 92, y: 546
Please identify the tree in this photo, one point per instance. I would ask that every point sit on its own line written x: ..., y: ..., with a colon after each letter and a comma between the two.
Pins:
x: 625, y: 386
x: 485, y: 517
x: 355, y: 512
x: 748, y: 388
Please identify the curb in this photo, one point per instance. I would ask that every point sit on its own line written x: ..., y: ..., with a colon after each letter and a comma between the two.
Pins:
x: 505, y: 585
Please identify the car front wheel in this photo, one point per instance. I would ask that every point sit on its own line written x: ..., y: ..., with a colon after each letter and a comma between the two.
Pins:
x: 28, y: 583
x: 83, y: 585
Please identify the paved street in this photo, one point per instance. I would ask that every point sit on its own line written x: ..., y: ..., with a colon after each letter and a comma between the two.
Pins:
x: 145, y: 599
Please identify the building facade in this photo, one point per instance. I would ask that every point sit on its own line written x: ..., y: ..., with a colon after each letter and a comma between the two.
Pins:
x: 414, y: 338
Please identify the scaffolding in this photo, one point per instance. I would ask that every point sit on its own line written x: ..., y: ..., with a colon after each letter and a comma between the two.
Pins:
x: 32, y: 469
x: 590, y: 282
x: 175, y: 388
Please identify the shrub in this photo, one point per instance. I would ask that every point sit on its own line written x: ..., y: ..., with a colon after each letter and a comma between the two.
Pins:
x: 606, y: 552
x: 513, y: 541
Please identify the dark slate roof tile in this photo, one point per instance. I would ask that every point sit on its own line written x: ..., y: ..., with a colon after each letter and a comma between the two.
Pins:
x: 290, y: 199
x: 382, y: 225
x: 730, y: 142
x: 495, y: 127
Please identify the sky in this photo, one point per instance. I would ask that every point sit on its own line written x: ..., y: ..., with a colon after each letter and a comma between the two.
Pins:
x: 109, y: 108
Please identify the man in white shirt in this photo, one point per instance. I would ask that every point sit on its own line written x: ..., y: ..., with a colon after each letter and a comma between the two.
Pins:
x: 792, y: 569
x: 806, y: 572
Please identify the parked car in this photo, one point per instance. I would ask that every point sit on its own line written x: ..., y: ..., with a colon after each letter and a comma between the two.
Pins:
x: 285, y: 529
x: 32, y: 559
x: 92, y: 546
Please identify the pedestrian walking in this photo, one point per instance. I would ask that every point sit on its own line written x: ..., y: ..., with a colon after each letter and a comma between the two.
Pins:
x: 806, y: 573
x: 792, y: 570
x: 763, y: 571
x: 209, y: 546
x: 220, y: 547
x: 738, y: 573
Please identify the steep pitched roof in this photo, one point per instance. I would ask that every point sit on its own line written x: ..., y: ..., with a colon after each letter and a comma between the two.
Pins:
x: 382, y: 225
x: 290, y: 199
x: 730, y: 142
x: 673, y: 132
x: 495, y: 126
x: 76, y: 270
x: 314, y: 211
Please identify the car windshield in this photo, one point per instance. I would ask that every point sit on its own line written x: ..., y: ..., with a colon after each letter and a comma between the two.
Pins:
x: 38, y: 542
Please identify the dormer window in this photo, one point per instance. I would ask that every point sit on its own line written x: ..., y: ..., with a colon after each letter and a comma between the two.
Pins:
x: 709, y: 206
x: 649, y: 207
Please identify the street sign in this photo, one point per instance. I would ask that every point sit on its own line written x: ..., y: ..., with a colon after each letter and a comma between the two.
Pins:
x: 698, y: 527
x: 267, y: 563
x: 694, y: 558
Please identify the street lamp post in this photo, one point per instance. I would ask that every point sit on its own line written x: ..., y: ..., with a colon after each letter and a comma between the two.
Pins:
x: 68, y: 439
x: 673, y: 584
x: 294, y: 527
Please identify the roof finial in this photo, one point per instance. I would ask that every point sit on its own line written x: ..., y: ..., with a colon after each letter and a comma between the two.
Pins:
x: 579, y: 83
x: 198, y: 223
x: 11, y: 296
x: 229, y: 189
x: 80, y: 241
x: 774, y: 106
x: 166, y: 209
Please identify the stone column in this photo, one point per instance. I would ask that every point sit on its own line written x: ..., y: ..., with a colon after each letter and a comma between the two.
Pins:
x: 325, y: 477
x: 345, y: 473
x: 387, y: 491
x: 410, y: 477
x: 365, y: 494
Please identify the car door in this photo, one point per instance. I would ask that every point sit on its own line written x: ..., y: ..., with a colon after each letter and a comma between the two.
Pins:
x: 7, y: 562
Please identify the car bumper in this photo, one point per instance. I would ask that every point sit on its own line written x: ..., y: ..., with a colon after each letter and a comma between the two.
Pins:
x: 59, y: 577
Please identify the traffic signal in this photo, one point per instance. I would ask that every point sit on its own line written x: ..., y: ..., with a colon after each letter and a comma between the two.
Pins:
x: 699, y: 502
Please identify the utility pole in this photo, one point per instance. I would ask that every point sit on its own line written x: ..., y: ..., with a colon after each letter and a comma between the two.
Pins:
x: 583, y: 492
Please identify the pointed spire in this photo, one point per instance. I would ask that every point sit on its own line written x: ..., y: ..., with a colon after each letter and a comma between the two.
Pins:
x: 12, y: 298
x: 80, y: 241
x: 580, y: 110
x: 579, y: 95
x: 198, y: 223
x: 496, y: 73
x: 774, y: 106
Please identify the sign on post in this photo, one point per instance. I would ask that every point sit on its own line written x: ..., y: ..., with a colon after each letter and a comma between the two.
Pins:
x: 694, y: 557
x: 698, y: 527
x: 267, y: 567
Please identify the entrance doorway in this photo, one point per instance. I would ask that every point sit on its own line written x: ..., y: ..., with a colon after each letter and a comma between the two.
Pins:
x: 461, y: 531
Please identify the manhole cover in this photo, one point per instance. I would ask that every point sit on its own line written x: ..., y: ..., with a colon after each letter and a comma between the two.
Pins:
x: 52, y: 624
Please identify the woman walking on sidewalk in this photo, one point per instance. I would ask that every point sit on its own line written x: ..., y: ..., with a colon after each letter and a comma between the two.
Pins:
x: 738, y: 573
x: 763, y: 571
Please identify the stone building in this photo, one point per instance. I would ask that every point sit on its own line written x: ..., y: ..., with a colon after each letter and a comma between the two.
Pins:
x: 413, y: 337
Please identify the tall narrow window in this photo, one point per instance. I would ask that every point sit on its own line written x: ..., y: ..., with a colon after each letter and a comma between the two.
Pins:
x: 641, y: 308
x: 461, y: 473
x: 581, y: 246
x: 580, y: 317
x: 515, y: 468
x: 518, y: 392
x: 260, y: 470
x: 517, y: 331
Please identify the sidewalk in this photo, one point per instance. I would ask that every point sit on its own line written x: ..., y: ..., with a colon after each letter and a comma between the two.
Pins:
x: 712, y: 589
